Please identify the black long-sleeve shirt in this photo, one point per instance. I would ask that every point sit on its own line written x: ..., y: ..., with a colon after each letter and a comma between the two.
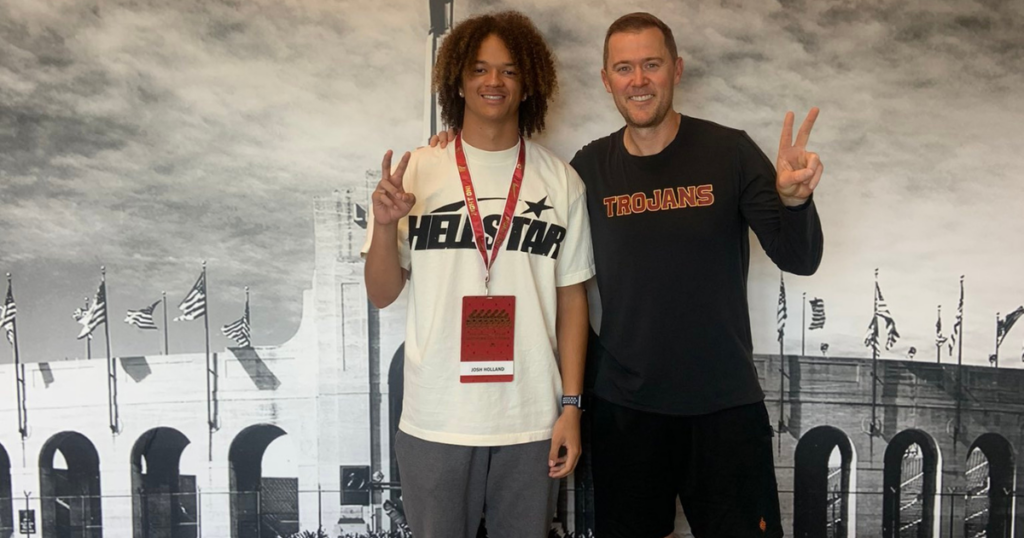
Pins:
x: 671, y: 246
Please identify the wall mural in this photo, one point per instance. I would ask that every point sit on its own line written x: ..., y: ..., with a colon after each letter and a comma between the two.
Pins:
x: 199, y: 170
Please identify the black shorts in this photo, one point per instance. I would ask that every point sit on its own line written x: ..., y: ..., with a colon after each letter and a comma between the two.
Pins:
x: 719, y: 465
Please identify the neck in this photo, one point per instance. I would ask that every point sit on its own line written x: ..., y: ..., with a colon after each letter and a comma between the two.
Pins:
x: 643, y: 141
x: 490, y: 136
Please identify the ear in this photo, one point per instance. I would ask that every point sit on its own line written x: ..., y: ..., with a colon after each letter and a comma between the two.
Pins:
x: 604, y: 79
x: 679, y: 69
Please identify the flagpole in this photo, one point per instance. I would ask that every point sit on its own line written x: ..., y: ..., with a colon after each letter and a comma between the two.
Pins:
x: 938, y: 345
x: 163, y: 295
x: 19, y: 375
x: 959, y: 363
x: 211, y: 369
x: 88, y: 338
x: 874, y: 363
x: 782, y: 364
x: 995, y: 363
x: 803, y: 328
x: 248, y: 317
x: 111, y: 368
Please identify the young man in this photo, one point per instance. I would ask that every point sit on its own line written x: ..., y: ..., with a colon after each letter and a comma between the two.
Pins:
x: 677, y: 408
x: 492, y: 236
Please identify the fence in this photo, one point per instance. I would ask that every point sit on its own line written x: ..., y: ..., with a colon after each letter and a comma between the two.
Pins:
x: 974, y: 512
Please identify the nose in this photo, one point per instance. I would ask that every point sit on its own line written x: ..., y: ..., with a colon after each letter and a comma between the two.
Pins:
x: 639, y: 78
x: 493, y: 78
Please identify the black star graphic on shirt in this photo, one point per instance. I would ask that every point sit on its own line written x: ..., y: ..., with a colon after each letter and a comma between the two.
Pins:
x: 537, y: 207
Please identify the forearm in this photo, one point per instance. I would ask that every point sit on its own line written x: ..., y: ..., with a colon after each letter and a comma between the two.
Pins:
x: 800, y: 243
x: 571, y: 331
x: 383, y: 274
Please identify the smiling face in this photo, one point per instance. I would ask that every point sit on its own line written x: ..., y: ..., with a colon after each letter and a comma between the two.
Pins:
x: 641, y: 76
x: 492, y: 86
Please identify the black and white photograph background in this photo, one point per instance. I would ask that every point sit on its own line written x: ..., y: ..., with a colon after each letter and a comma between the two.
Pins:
x: 161, y: 141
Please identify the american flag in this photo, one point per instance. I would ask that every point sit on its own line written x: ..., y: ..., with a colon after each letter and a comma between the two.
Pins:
x: 781, y: 312
x: 871, y: 338
x: 79, y: 315
x: 239, y: 330
x: 1004, y: 325
x: 939, y: 338
x: 817, y: 313
x: 881, y: 312
x: 194, y: 304
x: 142, y: 319
x: 7, y: 314
x: 957, y: 325
x: 96, y: 314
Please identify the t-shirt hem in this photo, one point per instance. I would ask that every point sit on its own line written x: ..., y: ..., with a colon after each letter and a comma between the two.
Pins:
x: 687, y: 411
x: 476, y: 440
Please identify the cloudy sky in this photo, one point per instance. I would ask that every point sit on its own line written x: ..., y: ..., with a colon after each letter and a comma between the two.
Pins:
x: 148, y: 136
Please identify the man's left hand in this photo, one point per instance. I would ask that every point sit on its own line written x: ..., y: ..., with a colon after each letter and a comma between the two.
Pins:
x: 566, y: 434
x: 797, y: 170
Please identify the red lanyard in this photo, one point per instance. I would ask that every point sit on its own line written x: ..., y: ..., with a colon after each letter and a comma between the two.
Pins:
x: 474, y: 213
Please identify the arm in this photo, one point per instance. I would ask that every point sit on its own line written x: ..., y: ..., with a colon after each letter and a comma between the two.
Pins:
x: 571, y: 331
x: 383, y: 275
x: 782, y: 212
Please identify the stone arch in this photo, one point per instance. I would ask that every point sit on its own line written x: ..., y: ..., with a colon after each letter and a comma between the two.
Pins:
x: 990, y: 480
x: 6, y: 496
x: 70, y: 502
x: 158, y: 506
x: 823, y: 505
x: 254, y: 508
x: 910, y: 485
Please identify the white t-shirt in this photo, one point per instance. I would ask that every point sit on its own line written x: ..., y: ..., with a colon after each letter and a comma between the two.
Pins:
x: 548, y: 246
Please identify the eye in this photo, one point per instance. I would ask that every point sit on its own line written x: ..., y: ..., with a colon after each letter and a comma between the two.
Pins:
x: 623, y: 69
x: 510, y: 72
x: 653, y: 65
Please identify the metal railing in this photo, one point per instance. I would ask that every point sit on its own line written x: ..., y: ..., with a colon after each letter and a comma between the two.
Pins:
x: 957, y: 513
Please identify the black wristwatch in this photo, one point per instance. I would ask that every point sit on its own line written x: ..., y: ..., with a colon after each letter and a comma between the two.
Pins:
x: 573, y: 400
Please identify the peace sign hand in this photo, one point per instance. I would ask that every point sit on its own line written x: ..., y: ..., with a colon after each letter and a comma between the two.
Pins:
x: 390, y: 201
x: 797, y: 170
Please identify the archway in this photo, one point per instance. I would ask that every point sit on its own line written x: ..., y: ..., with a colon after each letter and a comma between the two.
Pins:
x: 162, y: 505
x: 69, y: 485
x: 260, y: 506
x: 824, y: 476
x: 990, y: 483
x: 909, y: 485
x: 6, y: 498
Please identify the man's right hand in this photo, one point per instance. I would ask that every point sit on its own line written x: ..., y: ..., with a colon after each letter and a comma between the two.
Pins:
x: 442, y: 138
x: 390, y: 201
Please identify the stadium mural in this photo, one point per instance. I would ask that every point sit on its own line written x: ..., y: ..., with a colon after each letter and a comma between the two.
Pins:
x: 188, y: 349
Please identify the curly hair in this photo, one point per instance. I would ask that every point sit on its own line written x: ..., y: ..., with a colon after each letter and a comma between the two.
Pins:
x: 529, y: 51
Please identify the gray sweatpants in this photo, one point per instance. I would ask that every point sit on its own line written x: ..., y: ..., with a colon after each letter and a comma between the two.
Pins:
x: 446, y: 488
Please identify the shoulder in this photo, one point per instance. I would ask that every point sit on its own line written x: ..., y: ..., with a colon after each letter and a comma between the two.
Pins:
x: 544, y: 158
x: 549, y: 163
x: 710, y: 130
x: 425, y: 162
x: 728, y: 142
x: 429, y: 155
x: 596, y: 148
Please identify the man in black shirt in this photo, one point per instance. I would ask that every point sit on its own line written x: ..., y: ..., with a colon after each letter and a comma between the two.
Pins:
x: 677, y: 409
